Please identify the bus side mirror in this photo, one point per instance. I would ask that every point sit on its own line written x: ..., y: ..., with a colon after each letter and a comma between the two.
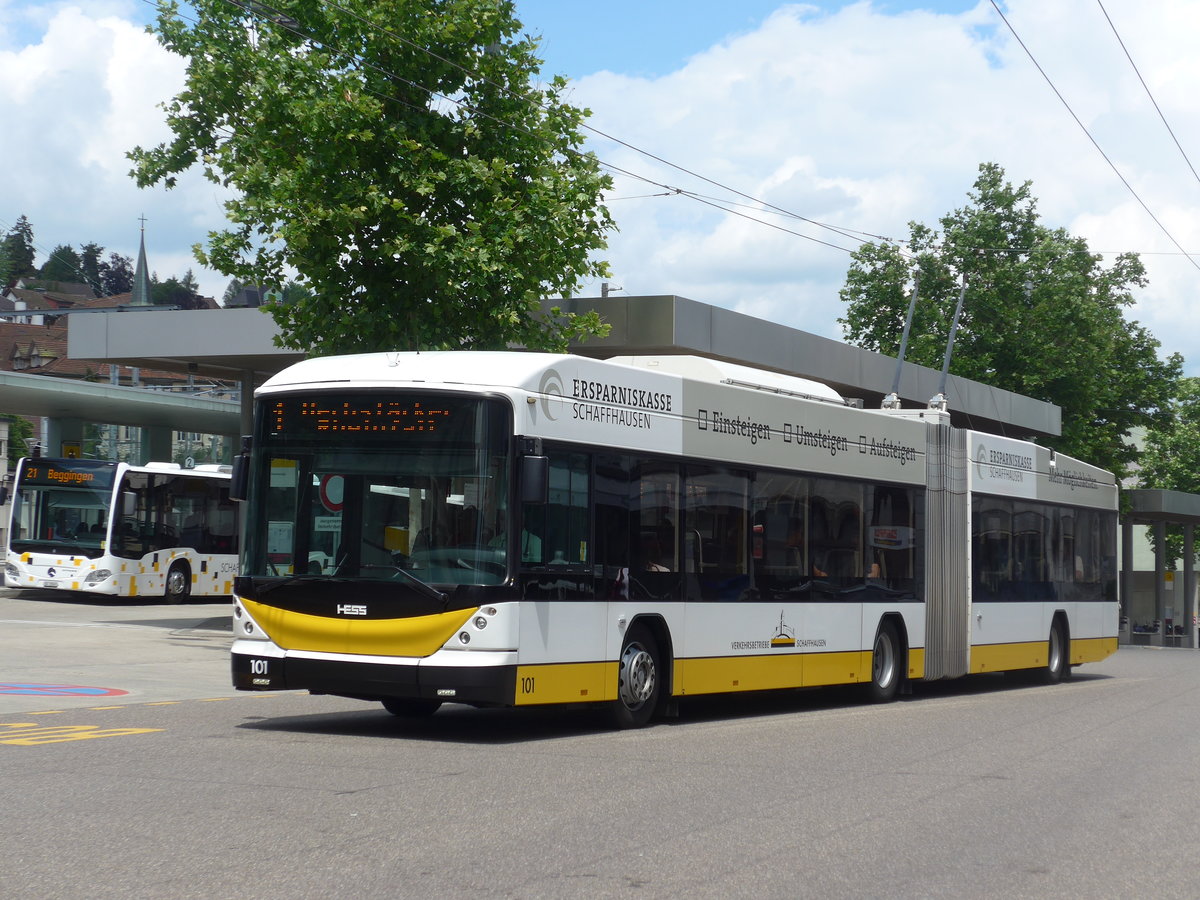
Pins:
x: 535, y: 479
x: 241, y: 471
x: 3, y: 494
x: 128, y: 504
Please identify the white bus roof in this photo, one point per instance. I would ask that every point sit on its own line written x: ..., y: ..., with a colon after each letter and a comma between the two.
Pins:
x: 519, y: 368
x: 470, y: 367
x: 698, y: 368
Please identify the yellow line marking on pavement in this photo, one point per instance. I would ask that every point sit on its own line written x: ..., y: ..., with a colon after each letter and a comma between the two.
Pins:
x: 28, y: 734
x: 247, y: 696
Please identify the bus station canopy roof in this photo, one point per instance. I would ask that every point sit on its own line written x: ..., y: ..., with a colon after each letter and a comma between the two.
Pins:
x: 1148, y: 505
x: 239, y: 344
x: 63, y: 398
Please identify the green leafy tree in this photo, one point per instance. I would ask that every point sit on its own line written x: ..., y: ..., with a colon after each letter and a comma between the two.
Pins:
x: 6, y: 267
x: 175, y: 292
x: 93, y: 440
x: 294, y: 292
x: 231, y: 291
x: 63, y: 264
x: 396, y: 156
x: 19, y: 250
x: 1170, y: 459
x: 189, y: 281
x: 20, y: 431
x: 1042, y: 317
x: 89, y: 265
x: 116, y: 275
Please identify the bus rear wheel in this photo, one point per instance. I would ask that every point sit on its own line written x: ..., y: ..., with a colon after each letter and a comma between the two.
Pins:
x: 179, y: 583
x: 1057, y: 667
x: 639, y: 680
x: 885, y: 664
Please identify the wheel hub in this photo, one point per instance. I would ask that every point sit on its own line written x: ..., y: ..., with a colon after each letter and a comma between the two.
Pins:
x: 637, y: 676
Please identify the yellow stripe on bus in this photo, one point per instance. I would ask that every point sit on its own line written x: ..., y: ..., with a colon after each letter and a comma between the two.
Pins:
x: 418, y: 636
x: 1034, y: 654
x: 837, y: 668
x: 1092, y: 649
x: 1005, y: 657
x: 597, y: 681
x: 566, y: 683
x: 727, y: 674
x: 916, y: 662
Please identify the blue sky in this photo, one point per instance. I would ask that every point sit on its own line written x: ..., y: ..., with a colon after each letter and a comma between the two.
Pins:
x: 654, y: 37
x: 864, y: 116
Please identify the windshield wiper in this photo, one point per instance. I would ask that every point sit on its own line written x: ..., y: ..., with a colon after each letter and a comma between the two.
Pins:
x: 279, y: 581
x: 422, y: 587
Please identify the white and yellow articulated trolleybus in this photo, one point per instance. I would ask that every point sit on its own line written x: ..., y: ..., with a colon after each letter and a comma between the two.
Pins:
x: 508, y: 529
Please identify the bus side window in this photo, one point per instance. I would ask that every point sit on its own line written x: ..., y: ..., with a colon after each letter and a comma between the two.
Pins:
x: 613, y: 495
x: 655, y: 568
x: 556, y: 533
x: 780, y: 540
x: 131, y: 533
x: 718, y: 515
x: 567, y: 533
x: 837, y: 532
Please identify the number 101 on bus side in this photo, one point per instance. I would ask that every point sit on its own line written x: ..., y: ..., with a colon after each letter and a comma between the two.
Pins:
x: 113, y: 529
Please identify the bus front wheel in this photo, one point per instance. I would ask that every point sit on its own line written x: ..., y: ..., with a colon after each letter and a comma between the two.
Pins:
x: 179, y: 583
x: 411, y: 707
x: 639, y: 680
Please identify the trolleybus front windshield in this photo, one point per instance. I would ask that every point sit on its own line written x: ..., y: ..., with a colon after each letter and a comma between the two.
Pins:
x: 383, y: 486
x: 62, y: 506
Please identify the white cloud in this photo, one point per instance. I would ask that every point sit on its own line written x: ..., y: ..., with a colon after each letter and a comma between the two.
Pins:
x: 76, y: 100
x: 860, y: 119
x: 867, y: 121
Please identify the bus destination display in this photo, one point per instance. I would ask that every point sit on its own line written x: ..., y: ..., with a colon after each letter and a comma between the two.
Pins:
x: 62, y: 473
x: 358, y: 415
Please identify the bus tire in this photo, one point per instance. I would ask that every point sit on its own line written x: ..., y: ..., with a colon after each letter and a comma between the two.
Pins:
x: 1057, y: 667
x: 639, y: 680
x: 411, y: 707
x: 178, y: 586
x: 885, y: 664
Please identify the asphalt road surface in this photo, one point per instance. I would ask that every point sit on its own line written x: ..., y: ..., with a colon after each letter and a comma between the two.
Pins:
x: 181, y: 787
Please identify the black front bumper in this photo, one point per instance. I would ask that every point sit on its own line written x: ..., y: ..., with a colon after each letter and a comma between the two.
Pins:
x: 480, y: 686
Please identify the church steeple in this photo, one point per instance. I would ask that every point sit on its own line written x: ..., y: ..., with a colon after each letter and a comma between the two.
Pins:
x: 141, y: 275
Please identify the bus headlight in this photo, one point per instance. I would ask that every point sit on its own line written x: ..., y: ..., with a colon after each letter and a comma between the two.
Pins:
x: 97, y: 576
x: 244, y: 623
x: 10, y: 571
